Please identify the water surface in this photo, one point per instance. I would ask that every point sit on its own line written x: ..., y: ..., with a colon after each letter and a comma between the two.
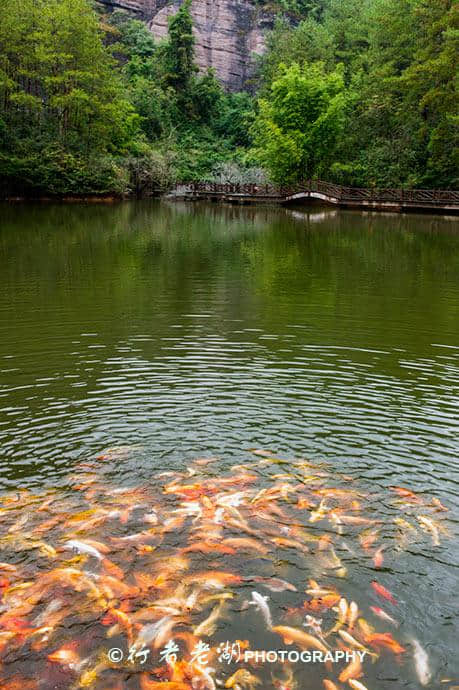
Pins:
x: 199, y: 329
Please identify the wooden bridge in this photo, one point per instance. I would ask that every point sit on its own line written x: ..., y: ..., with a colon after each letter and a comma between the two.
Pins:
x: 398, y: 200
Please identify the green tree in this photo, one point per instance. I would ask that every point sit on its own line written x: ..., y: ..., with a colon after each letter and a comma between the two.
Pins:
x: 298, y: 125
x: 308, y: 42
x: 62, y: 106
x: 430, y: 87
x: 180, y: 49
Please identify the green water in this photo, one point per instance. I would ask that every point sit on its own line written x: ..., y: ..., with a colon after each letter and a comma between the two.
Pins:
x: 197, y: 329
x: 186, y: 328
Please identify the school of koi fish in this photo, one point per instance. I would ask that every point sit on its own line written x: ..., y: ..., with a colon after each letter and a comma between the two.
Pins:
x: 159, y: 571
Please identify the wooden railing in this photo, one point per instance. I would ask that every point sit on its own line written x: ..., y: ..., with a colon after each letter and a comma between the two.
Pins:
x: 328, y: 189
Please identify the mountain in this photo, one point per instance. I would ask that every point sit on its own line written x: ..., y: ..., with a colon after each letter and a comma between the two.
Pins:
x: 229, y: 33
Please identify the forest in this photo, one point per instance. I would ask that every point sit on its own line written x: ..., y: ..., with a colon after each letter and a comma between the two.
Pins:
x: 358, y: 92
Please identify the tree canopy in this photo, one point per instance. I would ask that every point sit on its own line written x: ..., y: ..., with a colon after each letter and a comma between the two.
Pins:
x: 362, y: 92
x: 298, y: 125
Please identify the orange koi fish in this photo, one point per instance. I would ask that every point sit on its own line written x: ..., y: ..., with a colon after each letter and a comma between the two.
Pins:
x: 66, y: 655
x: 367, y: 539
x: 209, y: 547
x: 290, y: 544
x: 406, y: 493
x: 322, y: 602
x: 117, y: 616
x: 188, y: 491
x: 383, y: 592
x: 242, y: 678
x: 245, y: 543
x: 353, y: 670
x: 385, y: 640
x: 216, y: 579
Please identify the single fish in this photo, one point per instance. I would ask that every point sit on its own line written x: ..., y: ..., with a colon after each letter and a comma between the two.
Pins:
x: 320, y: 513
x: 438, y: 504
x: 385, y: 640
x: 383, y: 615
x: 378, y: 558
x: 66, y: 656
x: 209, y: 625
x: 421, y: 663
x: 429, y: 525
x: 319, y: 592
x: 274, y: 584
x: 368, y: 538
x: 406, y: 493
x: 302, y: 639
x: 82, y: 547
x: 260, y: 602
x: 352, y: 670
x: 404, y: 524
x: 322, y: 602
x: 356, y: 685
x: 242, y: 679
x: 290, y: 544
x: 352, y: 615
x: 245, y: 544
x: 214, y: 579
x: 343, y: 609
x: 155, y: 632
x: 383, y: 592
x: 347, y: 637
x: 315, y: 624
x: 287, y: 682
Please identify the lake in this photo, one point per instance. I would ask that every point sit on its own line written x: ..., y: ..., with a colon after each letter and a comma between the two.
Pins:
x: 170, y: 332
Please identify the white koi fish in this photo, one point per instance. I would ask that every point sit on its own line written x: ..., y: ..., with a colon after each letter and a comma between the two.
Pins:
x: 428, y: 525
x: 82, y: 547
x: 421, y: 663
x: 260, y: 602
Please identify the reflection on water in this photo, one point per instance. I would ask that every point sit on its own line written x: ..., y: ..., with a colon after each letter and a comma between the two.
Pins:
x: 200, y: 329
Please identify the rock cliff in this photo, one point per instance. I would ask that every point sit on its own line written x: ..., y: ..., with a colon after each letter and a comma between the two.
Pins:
x: 229, y: 33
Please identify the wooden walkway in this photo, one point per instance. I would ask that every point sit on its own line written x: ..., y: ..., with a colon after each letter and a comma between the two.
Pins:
x: 398, y: 200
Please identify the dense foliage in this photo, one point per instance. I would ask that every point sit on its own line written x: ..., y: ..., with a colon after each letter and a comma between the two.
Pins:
x: 64, y: 115
x: 399, y: 59
x: 298, y: 126
x: 361, y: 92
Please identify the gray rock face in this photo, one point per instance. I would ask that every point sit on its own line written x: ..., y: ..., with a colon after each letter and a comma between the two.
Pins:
x: 229, y: 33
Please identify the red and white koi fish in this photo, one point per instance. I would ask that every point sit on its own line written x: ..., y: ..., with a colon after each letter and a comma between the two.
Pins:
x: 383, y: 615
